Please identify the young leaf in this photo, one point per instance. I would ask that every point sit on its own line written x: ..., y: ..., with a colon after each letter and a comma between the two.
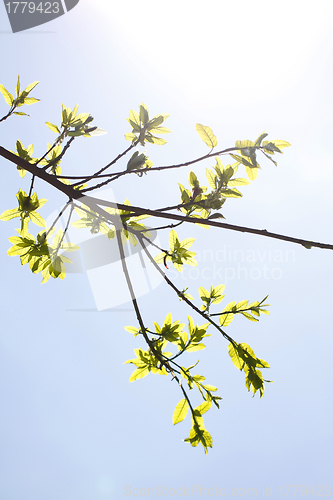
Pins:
x: 139, y: 373
x: 7, y: 95
x: 131, y: 329
x: 30, y: 87
x: 180, y: 412
x: 206, y: 134
x: 18, y: 86
x: 54, y: 128
x: 205, y: 406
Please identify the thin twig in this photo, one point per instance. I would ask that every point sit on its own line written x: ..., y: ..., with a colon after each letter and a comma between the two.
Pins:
x: 117, y: 175
x: 31, y: 186
x: 59, y: 157
x: 136, y: 307
x: 66, y: 229
x: 58, y: 217
x: 96, y: 174
x: 90, y: 201
x: 179, y: 293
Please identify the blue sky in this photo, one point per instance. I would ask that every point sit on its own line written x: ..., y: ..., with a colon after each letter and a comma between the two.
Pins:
x: 73, y: 428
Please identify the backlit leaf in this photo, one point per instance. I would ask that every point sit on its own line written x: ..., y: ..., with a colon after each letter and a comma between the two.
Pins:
x: 7, y: 95
x: 180, y: 411
x: 206, y: 134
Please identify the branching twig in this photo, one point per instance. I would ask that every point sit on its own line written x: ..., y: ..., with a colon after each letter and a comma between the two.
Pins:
x: 90, y: 201
x: 58, y: 217
x: 179, y: 293
x: 96, y: 174
x: 59, y: 157
x: 31, y: 186
x: 136, y: 307
x: 66, y: 229
x: 116, y: 175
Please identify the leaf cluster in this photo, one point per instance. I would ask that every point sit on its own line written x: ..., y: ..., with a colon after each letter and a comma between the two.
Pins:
x: 92, y: 221
x: 248, y: 153
x: 212, y: 297
x: 42, y: 255
x: 73, y: 124
x: 179, y: 253
x: 27, y: 209
x: 147, y: 361
x: 143, y: 129
x: 249, y: 311
x: 21, y: 98
x: 138, y: 161
x: 244, y: 359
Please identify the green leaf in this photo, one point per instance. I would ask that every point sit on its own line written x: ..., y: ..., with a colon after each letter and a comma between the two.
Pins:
x: 155, y: 140
x: 244, y: 161
x: 10, y: 214
x: 281, y: 144
x: 7, y: 95
x: 204, y: 294
x: 231, y: 193
x: 135, y: 118
x: 77, y: 133
x: 144, y: 116
x: 76, y: 107
x: 18, y: 86
x: 159, y: 130
x: 79, y: 120
x: 30, y: 100
x: 244, y: 358
x: 205, y: 406
x: 173, y: 239
x: 187, y: 242
x: 238, y: 182
x: 139, y: 373
x: 30, y: 87
x: 260, y: 138
x: 199, y: 435
x: 180, y: 411
x: 217, y: 290
x: 216, y: 216
x: 244, y: 144
x: 210, y: 388
x: 193, y: 179
x: 226, y: 316
x: 195, y: 347
x: 130, y: 137
x: 226, y: 319
x: 275, y: 146
x: 136, y: 161
x: 54, y: 128
x: 206, y: 135
x: 211, y: 177
x: 249, y: 316
x: 155, y: 123
x: 131, y: 329
x: 37, y: 219
x: 251, y: 172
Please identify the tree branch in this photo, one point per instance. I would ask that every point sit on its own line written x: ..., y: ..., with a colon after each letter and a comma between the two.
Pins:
x: 179, y: 293
x: 94, y: 202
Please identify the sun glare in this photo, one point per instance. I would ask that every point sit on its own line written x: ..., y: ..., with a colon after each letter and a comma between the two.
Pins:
x: 240, y: 49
